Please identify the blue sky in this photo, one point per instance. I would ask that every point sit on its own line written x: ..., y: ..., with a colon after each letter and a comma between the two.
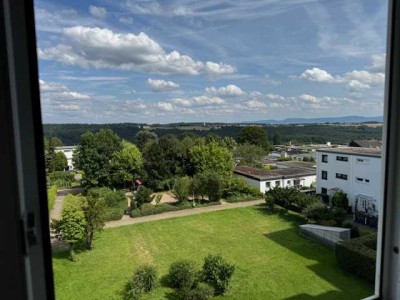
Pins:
x: 211, y: 61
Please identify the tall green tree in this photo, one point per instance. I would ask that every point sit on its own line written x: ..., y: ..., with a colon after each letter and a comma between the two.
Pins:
x: 250, y: 155
x: 163, y: 160
x: 94, y: 156
x: 181, y: 188
x: 254, y: 135
x: 277, y: 139
x: 60, y: 162
x: 144, y: 136
x: 212, y: 158
x: 126, y: 164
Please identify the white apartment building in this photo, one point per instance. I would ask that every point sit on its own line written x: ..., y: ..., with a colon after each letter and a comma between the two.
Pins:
x: 68, y: 151
x: 354, y: 171
x: 265, y: 180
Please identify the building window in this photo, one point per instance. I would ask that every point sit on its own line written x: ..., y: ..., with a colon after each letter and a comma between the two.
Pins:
x: 324, y: 158
x: 268, y: 184
x: 277, y: 183
x: 362, y: 161
x: 366, y: 180
x: 342, y: 158
x: 324, y: 175
x: 289, y: 182
x: 359, y: 179
x: 324, y: 191
x: 341, y: 176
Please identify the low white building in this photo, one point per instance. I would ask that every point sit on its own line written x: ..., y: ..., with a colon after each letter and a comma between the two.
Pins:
x: 354, y: 171
x: 265, y: 180
x: 68, y: 151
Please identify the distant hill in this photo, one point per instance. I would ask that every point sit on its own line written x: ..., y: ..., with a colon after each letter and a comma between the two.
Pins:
x: 348, y: 119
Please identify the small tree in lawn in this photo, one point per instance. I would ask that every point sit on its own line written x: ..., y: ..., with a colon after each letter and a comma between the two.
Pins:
x: 71, y: 228
x: 181, y: 189
x: 198, y: 187
x: 143, y: 195
x: 93, y: 211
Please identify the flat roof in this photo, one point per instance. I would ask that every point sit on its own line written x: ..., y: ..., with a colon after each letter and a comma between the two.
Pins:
x: 262, y: 174
x: 298, y: 164
x: 354, y: 151
x: 66, y: 148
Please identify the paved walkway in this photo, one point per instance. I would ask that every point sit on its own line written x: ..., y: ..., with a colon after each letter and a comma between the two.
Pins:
x: 126, y: 220
x: 55, y: 213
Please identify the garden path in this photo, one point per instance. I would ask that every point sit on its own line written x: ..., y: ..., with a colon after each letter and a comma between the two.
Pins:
x: 126, y: 220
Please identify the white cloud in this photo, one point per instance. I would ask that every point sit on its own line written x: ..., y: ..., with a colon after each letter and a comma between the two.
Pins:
x: 275, y: 97
x: 254, y: 104
x: 126, y: 20
x: 378, y: 63
x: 217, y: 69
x: 355, y: 85
x: 230, y: 90
x: 354, y: 80
x: 316, y: 74
x: 159, y: 85
x: 57, y: 91
x: 165, y: 106
x: 102, y: 48
x: 97, y: 11
x: 308, y: 98
x: 207, y: 100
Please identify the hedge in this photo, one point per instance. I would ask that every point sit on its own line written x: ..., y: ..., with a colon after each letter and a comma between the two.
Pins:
x: 358, y: 256
x: 51, y: 196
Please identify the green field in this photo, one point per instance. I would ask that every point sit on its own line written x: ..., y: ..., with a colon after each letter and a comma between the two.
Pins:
x: 273, y: 261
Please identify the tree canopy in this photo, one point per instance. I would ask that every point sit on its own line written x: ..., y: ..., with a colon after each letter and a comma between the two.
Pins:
x: 94, y: 156
x: 254, y: 135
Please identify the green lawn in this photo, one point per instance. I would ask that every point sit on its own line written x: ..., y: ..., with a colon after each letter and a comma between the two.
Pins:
x: 273, y: 261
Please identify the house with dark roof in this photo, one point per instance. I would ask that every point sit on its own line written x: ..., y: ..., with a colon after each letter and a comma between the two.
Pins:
x: 283, y: 176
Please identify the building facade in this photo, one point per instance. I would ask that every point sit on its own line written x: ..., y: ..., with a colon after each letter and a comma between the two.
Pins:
x: 265, y: 180
x: 354, y: 171
x: 68, y: 151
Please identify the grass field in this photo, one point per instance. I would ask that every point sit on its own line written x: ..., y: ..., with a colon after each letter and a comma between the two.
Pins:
x: 273, y: 261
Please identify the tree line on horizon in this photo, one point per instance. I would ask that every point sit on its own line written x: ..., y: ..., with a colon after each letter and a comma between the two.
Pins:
x: 296, y: 134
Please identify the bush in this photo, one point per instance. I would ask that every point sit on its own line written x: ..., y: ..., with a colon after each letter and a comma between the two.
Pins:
x: 355, y: 231
x: 181, y: 189
x: 147, y: 209
x: 201, y: 292
x: 340, y: 200
x: 61, y: 178
x: 144, y: 280
x: 218, y: 273
x: 237, y: 187
x: 316, y: 211
x: 290, y: 198
x: 356, y: 256
x: 51, y: 196
x: 114, y: 201
x: 184, y: 275
x: 143, y: 195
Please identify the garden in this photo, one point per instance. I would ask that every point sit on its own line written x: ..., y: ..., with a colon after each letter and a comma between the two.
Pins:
x: 271, y: 260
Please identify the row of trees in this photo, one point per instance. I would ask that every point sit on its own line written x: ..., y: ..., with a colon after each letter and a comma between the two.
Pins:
x: 107, y: 160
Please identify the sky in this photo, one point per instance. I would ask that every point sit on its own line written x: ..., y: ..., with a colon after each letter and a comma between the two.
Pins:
x: 146, y: 61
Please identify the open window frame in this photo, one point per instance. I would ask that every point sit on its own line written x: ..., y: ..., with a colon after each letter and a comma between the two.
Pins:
x: 26, y: 254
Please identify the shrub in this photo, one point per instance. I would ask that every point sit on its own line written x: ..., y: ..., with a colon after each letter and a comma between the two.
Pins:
x: 236, y: 187
x: 269, y: 203
x: 147, y: 209
x: 181, y: 188
x: 340, y: 200
x: 201, y: 292
x: 114, y: 202
x: 355, y: 231
x: 51, y: 196
x: 111, y: 198
x: 214, y: 186
x: 357, y: 257
x: 218, y: 273
x: 316, y: 211
x: 143, y: 281
x: 143, y: 195
x: 61, y: 178
x: 184, y: 275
